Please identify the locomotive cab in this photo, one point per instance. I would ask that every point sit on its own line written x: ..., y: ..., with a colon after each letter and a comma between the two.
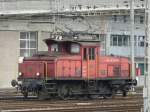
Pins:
x: 84, y: 56
x: 62, y: 46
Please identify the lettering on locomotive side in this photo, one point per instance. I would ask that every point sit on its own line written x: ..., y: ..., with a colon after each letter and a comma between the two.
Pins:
x: 29, y: 68
x: 112, y: 60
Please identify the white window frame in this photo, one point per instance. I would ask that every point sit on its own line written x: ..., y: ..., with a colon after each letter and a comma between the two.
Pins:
x: 119, y: 37
x: 28, y: 41
x: 140, y: 40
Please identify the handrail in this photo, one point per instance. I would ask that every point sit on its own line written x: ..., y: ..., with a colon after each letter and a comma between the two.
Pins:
x: 46, y: 72
x: 96, y: 64
x: 98, y: 60
x: 88, y: 63
x: 56, y: 69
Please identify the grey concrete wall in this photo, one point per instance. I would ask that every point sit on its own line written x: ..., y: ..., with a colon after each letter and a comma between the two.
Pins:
x: 38, y: 6
x: 140, y: 81
x: 95, y: 24
x: 9, y: 52
x: 41, y: 36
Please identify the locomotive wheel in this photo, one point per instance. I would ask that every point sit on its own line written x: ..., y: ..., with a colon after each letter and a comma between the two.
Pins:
x: 105, y: 91
x: 63, y: 92
x: 106, y: 96
x: 25, y: 94
x: 124, y: 93
x: 113, y: 93
x: 42, y: 94
x: 24, y: 91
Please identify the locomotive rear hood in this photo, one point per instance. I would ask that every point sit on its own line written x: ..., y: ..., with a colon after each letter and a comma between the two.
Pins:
x: 34, y: 67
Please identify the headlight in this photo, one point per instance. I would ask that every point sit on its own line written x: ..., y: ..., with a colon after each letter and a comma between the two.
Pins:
x: 20, y: 74
x: 37, y: 74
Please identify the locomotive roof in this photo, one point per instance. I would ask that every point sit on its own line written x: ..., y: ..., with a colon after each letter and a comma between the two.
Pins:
x: 80, y: 42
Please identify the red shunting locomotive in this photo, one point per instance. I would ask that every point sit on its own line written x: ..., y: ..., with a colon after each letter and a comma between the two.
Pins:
x: 73, y: 68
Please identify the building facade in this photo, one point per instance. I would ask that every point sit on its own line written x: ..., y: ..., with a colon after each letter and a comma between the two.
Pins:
x: 25, y: 23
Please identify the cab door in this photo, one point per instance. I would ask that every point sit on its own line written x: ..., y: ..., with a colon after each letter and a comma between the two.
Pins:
x: 92, y: 62
x: 89, y: 63
x: 84, y: 62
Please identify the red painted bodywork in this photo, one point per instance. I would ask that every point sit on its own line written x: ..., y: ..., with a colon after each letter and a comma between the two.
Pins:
x: 29, y: 69
x: 114, y: 67
x: 66, y: 65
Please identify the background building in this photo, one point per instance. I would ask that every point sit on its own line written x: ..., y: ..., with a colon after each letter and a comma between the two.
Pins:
x: 25, y: 23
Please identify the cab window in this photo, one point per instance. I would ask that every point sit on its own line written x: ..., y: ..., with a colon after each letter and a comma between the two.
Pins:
x: 91, y: 53
x: 75, y: 48
x: 85, y: 54
x: 54, y: 47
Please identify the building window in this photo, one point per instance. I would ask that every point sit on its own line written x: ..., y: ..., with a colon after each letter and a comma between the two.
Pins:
x: 141, y: 41
x: 28, y: 43
x: 115, y: 18
x: 124, y: 18
x: 125, y: 40
x: 119, y: 40
x: 141, y: 19
x: 113, y: 40
x: 141, y: 66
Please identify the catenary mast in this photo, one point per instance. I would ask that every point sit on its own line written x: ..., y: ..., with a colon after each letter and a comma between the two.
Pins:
x: 146, y: 90
x: 148, y: 55
x: 132, y: 38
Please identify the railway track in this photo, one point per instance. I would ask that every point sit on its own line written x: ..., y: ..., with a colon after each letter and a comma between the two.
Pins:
x: 131, y: 103
x: 127, y: 104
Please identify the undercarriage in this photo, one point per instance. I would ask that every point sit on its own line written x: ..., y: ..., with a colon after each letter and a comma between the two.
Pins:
x: 66, y: 89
